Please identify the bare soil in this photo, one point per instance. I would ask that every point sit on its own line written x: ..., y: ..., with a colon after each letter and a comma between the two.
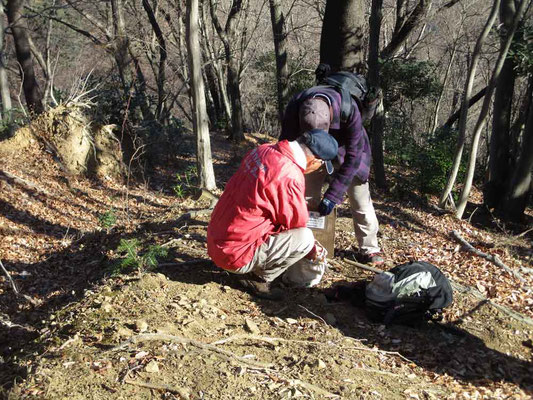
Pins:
x: 186, y: 330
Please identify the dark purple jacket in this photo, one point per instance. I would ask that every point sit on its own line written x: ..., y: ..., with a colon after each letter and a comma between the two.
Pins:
x: 354, y: 147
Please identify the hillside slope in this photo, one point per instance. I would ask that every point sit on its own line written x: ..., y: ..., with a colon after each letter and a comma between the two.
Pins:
x: 187, y: 330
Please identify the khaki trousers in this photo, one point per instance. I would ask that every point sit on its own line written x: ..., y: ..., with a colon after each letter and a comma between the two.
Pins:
x: 279, y: 253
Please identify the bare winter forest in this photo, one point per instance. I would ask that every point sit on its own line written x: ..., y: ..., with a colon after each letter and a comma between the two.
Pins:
x: 121, y: 123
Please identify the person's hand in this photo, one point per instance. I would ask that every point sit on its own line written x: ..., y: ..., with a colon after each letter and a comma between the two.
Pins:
x: 326, y: 206
x: 318, y: 253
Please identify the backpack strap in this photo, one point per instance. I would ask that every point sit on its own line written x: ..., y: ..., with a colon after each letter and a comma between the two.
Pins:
x: 346, y: 104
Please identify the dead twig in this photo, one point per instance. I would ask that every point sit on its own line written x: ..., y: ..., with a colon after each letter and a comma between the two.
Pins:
x: 14, y: 287
x: 313, y: 314
x: 180, y: 264
x: 202, y: 346
x: 184, y: 394
x: 492, y: 258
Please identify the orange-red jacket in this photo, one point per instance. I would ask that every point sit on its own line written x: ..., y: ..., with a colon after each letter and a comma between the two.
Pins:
x: 265, y: 196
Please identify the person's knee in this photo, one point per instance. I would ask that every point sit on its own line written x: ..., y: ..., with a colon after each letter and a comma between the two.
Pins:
x: 305, y: 238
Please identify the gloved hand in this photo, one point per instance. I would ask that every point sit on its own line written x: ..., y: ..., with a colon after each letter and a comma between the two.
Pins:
x: 326, y: 206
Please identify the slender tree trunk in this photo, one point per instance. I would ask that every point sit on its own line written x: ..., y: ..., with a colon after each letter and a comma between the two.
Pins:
x: 521, y: 183
x: 4, y: 84
x: 499, y: 158
x: 464, y: 104
x: 161, y: 75
x: 341, y: 41
x: 378, y: 122
x: 234, y: 90
x: 439, y: 99
x: 280, y: 48
x: 22, y: 48
x: 455, y: 116
x: 485, y: 108
x: 204, y: 160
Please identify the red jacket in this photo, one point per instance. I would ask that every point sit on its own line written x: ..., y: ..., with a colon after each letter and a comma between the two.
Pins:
x: 265, y: 196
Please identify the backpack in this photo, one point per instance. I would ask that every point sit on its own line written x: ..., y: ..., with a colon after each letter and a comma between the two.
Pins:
x: 349, y: 85
x: 408, y: 294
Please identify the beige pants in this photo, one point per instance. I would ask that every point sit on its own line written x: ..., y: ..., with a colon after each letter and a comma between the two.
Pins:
x: 279, y: 253
x: 365, y: 222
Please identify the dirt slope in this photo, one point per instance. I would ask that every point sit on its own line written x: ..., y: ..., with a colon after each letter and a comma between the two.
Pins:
x: 187, y: 329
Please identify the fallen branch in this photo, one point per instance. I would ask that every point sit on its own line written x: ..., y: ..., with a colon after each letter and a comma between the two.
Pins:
x: 362, y: 266
x: 478, y: 295
x: 184, y: 394
x: 14, y: 287
x: 203, y: 346
x: 310, y: 386
x: 180, y: 264
x: 492, y: 258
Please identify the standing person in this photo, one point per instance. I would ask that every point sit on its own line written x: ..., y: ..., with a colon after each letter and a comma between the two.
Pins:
x: 319, y: 107
x: 258, y: 227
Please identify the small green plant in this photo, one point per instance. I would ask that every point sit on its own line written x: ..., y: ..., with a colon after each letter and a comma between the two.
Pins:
x: 185, y: 180
x: 134, y: 258
x: 108, y: 219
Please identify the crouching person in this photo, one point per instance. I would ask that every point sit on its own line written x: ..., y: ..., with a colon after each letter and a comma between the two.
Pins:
x: 258, y: 227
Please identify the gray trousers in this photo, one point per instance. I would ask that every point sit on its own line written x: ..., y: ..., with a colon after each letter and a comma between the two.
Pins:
x: 279, y: 253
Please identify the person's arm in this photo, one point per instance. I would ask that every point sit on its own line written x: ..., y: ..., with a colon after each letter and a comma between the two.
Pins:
x: 342, y: 178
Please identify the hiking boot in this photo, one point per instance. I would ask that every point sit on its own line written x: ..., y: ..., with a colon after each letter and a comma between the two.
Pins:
x: 374, y: 259
x: 260, y: 289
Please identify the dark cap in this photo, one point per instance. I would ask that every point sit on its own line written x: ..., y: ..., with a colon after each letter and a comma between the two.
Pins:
x: 322, y: 145
x: 314, y: 113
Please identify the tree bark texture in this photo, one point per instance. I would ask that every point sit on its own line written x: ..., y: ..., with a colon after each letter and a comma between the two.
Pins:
x: 341, y: 41
x: 19, y: 30
x: 500, y: 158
x: 4, y: 84
x: 476, y: 54
x: 378, y: 122
x: 480, y: 124
x: 201, y: 128
x: 280, y: 48
x: 522, y: 182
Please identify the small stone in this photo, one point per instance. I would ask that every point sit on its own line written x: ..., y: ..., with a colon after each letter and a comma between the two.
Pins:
x: 291, y: 321
x: 319, y: 364
x: 141, y: 325
x: 251, y: 326
x: 152, y: 367
x: 330, y: 319
x: 124, y: 332
x: 106, y: 307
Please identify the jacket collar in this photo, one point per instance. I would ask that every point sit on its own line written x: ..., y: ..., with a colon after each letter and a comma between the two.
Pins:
x: 286, y: 148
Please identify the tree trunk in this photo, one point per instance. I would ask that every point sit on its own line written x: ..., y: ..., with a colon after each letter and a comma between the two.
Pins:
x: 280, y: 48
x: 499, y: 158
x: 521, y: 183
x: 23, y: 51
x: 201, y: 129
x: 378, y: 122
x: 341, y: 41
x: 464, y: 104
x: 435, y: 121
x: 485, y: 108
x: 234, y: 90
x: 161, y: 75
x: 4, y: 84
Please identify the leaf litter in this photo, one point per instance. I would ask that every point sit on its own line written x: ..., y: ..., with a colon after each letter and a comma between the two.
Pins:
x: 208, y: 339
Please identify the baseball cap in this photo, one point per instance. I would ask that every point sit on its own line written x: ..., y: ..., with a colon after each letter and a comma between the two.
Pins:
x: 314, y: 113
x: 322, y: 145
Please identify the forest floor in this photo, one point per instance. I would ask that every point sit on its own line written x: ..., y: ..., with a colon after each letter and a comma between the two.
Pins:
x: 185, y: 330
